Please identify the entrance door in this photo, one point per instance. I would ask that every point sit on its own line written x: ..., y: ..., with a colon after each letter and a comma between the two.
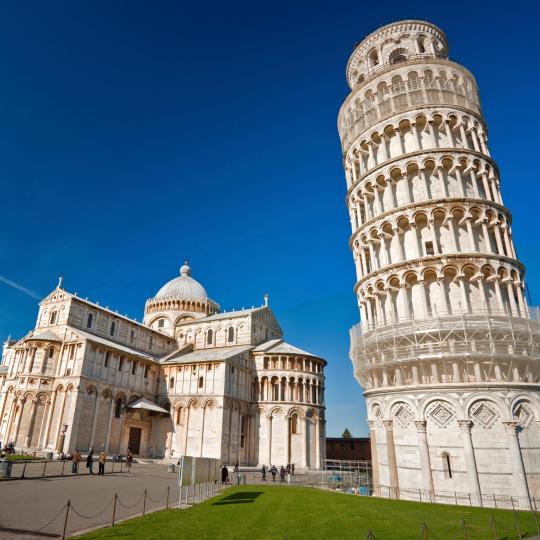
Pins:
x: 134, y: 443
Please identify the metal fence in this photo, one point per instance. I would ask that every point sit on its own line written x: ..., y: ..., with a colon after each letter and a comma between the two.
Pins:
x: 457, y: 498
x: 73, y: 519
x: 20, y: 469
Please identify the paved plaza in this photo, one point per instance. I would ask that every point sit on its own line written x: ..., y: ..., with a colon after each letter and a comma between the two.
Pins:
x: 26, y: 506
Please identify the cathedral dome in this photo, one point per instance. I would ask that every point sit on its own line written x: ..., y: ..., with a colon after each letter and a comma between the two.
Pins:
x: 183, y: 287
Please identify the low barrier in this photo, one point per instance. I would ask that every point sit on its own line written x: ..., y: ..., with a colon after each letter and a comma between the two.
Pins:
x: 21, y: 469
x: 457, y: 498
x: 72, y: 519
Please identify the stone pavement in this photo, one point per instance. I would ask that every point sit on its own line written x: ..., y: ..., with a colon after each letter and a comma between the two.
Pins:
x: 26, y: 506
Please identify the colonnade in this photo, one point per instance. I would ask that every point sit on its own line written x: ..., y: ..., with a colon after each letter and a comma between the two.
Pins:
x: 441, y: 130
x: 392, y: 95
x: 422, y: 181
x: 291, y: 389
x: 447, y: 291
x: 452, y: 231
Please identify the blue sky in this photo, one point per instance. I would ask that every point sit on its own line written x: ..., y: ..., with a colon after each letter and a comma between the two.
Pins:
x: 136, y: 134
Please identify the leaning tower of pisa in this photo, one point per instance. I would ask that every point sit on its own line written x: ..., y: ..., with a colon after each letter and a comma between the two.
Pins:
x: 447, y: 349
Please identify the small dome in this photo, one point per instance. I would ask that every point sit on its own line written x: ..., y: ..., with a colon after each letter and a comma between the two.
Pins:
x: 183, y: 287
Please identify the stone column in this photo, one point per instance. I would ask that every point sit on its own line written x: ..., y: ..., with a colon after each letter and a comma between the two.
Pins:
x: 378, y: 199
x: 317, y: 442
x: 364, y: 262
x: 511, y: 298
x: 374, y: 459
x: 60, y: 419
x: 470, y: 232
x: 485, y: 183
x: 449, y: 134
x: 109, y: 424
x: 498, y: 238
x: 372, y: 257
x: 94, y: 419
x: 417, y: 137
x: 444, y: 186
x: 464, y: 295
x: 507, y: 243
x: 431, y: 131
x: 18, y: 421
x: 417, y: 243
x: 269, y: 434
x: 392, y: 462
x: 400, y: 246
x: 46, y: 408
x: 474, y: 181
x: 516, y: 459
x: 487, y: 239
x: 408, y: 186
x: 12, y: 412
x: 470, y: 460
x: 304, y: 443
x: 423, y: 294
x: 366, y: 206
x: 384, y: 252
x: 372, y: 158
x: 400, y: 139
x: 482, y: 289
x: 460, y: 181
x: 442, y: 289
x: 202, y: 435
x: 391, y: 184
x: 450, y: 221
x: 474, y: 139
x: 436, y: 249
x: 187, y: 415
x: 521, y: 300
x: 498, y: 293
x: 423, y: 177
x: 464, y: 141
x: 31, y: 422
x: 425, y: 461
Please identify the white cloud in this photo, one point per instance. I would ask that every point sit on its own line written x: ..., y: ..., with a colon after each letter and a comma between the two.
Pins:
x: 20, y: 288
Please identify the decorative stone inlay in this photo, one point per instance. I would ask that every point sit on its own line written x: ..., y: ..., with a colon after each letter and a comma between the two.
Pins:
x: 484, y: 414
x: 523, y: 414
x: 378, y: 415
x: 441, y: 414
x: 403, y: 415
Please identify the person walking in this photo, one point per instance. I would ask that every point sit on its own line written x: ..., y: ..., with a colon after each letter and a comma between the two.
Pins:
x: 90, y: 461
x: 224, y: 475
x: 101, y: 463
x: 263, y: 471
x: 273, y: 470
x: 129, y: 459
x: 75, y: 460
x: 282, y: 474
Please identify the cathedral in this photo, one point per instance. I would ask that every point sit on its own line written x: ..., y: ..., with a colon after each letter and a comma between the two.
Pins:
x: 190, y: 380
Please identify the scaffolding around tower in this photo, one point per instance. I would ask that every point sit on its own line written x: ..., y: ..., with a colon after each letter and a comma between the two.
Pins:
x: 450, y: 349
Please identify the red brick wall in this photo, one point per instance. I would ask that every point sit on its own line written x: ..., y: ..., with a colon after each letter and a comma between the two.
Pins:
x: 356, y: 448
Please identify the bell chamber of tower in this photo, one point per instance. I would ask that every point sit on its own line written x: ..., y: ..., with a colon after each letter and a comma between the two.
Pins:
x: 447, y: 349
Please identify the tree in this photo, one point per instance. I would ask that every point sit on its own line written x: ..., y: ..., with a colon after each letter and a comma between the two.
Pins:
x: 346, y: 434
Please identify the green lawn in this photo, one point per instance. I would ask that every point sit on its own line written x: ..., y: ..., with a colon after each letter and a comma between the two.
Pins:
x: 274, y: 512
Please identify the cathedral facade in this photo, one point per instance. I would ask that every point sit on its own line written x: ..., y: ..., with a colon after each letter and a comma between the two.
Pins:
x: 447, y: 347
x: 189, y: 380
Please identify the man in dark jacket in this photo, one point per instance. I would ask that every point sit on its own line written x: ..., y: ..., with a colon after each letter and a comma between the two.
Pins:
x: 90, y: 461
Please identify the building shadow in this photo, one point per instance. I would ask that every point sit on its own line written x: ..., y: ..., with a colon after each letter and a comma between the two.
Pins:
x: 239, y: 498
